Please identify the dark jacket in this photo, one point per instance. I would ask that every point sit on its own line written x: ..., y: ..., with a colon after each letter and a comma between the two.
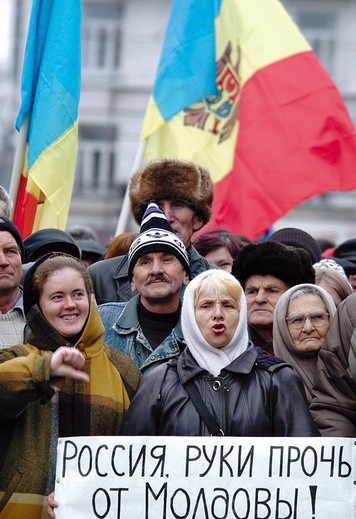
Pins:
x: 334, y: 403
x: 258, y: 341
x: 111, y: 282
x: 256, y: 395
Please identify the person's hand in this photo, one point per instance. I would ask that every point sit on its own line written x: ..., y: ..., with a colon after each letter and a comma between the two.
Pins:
x: 51, y: 505
x: 68, y: 362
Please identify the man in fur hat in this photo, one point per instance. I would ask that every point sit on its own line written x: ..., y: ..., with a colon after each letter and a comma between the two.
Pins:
x: 266, y: 270
x: 147, y: 328
x: 184, y: 192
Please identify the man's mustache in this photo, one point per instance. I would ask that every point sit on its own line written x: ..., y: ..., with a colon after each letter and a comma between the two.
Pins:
x: 158, y: 277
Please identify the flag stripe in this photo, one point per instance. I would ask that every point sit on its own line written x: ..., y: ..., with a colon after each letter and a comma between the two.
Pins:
x: 188, y: 52
x: 25, y: 210
x: 60, y: 156
x: 264, y: 31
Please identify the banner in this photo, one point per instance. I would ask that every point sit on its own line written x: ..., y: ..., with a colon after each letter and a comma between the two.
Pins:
x: 205, y: 478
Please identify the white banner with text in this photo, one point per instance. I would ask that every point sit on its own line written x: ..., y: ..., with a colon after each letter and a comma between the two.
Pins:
x: 125, y: 477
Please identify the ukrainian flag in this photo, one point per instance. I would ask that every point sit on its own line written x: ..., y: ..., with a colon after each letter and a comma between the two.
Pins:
x: 239, y: 91
x: 49, y: 115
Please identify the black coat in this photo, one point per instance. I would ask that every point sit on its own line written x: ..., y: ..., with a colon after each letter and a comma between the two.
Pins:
x: 256, y: 395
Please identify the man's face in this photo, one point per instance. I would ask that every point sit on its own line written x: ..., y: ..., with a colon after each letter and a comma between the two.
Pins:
x: 262, y: 294
x: 10, y: 263
x: 182, y: 219
x: 158, y: 277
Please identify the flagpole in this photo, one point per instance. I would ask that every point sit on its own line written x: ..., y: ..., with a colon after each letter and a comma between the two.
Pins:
x: 125, y: 208
x: 18, y: 164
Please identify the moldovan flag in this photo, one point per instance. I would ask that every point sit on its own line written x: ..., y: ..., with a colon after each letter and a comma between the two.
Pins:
x: 239, y: 91
x: 48, y: 117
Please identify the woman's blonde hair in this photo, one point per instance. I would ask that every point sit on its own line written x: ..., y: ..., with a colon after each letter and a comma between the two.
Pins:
x: 334, y: 279
x: 217, y: 285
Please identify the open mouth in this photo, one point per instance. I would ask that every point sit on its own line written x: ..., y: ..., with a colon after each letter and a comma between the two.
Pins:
x: 219, y: 328
x: 69, y: 317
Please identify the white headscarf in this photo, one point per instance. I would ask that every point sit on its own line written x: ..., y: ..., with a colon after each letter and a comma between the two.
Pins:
x: 210, y: 358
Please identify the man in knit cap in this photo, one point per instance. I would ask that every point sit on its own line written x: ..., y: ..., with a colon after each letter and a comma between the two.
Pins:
x: 12, y: 319
x: 147, y: 328
x: 266, y: 270
x: 184, y: 192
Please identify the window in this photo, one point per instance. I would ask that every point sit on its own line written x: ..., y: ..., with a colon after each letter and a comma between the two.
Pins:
x: 319, y: 29
x: 96, y: 165
x: 101, y: 39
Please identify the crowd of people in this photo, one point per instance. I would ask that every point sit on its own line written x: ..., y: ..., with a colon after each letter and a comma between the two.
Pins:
x: 167, y: 332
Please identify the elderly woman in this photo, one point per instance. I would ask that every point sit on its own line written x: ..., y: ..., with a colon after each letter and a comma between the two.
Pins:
x: 221, y: 383
x: 334, y: 403
x: 63, y: 382
x: 301, y: 322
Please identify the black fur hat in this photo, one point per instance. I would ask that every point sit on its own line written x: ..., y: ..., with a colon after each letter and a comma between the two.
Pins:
x: 289, y: 264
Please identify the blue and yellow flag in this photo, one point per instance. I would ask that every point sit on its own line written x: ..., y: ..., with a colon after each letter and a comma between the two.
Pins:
x: 239, y: 91
x: 50, y: 97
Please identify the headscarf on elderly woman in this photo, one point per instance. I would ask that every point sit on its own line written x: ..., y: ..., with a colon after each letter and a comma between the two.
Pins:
x: 246, y: 390
x: 301, y: 351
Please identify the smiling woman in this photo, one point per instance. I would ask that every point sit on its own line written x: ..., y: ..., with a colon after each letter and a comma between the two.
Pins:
x: 64, y: 301
x: 64, y: 382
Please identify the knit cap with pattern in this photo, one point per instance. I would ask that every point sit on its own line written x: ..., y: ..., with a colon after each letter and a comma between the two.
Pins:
x: 156, y: 235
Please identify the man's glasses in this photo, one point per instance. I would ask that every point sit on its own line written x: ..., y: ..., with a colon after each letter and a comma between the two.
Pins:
x: 317, y: 319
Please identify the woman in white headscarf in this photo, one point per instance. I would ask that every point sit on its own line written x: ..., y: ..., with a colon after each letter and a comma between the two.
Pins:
x: 221, y: 383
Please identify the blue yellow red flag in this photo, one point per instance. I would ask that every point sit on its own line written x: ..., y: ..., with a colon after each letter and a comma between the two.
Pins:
x: 50, y: 92
x: 239, y: 91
